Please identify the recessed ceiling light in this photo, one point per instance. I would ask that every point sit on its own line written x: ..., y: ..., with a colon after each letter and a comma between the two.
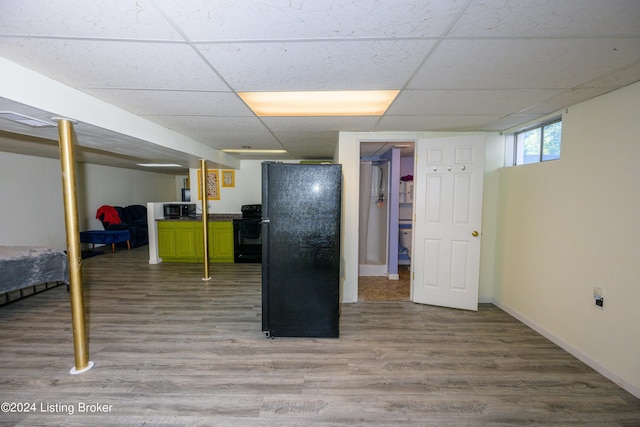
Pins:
x: 25, y: 120
x: 160, y: 165
x: 319, y: 103
x: 252, y: 151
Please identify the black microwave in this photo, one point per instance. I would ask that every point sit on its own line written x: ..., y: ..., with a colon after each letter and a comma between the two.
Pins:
x: 179, y: 210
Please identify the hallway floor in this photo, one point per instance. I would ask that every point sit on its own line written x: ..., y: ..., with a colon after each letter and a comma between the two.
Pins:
x: 379, y: 288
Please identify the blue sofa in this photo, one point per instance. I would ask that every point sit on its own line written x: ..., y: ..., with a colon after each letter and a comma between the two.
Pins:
x: 134, y: 219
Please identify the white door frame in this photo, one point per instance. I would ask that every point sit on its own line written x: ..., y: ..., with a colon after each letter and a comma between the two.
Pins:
x: 348, y: 154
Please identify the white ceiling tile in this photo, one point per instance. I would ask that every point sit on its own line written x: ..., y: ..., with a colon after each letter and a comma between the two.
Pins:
x: 618, y: 78
x: 174, y: 103
x: 546, y: 18
x: 354, y: 65
x: 81, y: 18
x: 298, y: 19
x: 237, y: 139
x: 288, y: 137
x: 314, y: 124
x: 434, y: 122
x: 565, y: 99
x: 208, y: 123
x: 523, y: 64
x: 309, y: 145
x: 99, y: 64
x: 510, y: 122
x: 467, y: 102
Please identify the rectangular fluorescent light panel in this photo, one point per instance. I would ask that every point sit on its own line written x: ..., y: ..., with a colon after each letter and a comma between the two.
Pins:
x: 319, y: 103
x: 25, y: 120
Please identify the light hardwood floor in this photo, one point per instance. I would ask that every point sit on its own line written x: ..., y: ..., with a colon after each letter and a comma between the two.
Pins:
x: 170, y: 349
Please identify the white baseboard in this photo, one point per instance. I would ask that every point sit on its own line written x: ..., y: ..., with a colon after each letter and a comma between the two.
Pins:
x: 577, y: 353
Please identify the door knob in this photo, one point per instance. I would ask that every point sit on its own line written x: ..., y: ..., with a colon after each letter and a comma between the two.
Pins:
x: 475, y: 233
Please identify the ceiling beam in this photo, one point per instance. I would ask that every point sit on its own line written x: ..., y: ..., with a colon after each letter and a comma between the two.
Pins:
x: 22, y: 85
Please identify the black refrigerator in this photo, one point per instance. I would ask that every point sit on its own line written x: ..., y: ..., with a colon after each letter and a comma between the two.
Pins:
x: 301, y: 210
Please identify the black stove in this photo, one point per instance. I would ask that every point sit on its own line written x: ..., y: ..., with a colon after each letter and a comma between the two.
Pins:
x: 247, y: 238
x: 251, y: 211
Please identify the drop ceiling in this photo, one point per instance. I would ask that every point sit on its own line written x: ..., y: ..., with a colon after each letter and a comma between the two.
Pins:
x: 171, y: 69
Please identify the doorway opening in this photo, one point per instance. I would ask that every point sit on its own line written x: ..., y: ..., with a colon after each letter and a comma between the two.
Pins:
x: 385, y: 221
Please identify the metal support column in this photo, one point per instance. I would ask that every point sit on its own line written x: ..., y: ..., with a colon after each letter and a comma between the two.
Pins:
x: 205, y: 218
x: 80, y: 343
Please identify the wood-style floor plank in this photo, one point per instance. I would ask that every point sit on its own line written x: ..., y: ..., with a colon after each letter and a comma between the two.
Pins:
x: 171, y: 349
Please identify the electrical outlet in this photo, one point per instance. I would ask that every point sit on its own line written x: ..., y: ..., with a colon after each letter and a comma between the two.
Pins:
x: 598, y: 295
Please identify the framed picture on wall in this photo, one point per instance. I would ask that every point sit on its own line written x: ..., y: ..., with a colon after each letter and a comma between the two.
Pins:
x: 213, y: 184
x: 228, y: 178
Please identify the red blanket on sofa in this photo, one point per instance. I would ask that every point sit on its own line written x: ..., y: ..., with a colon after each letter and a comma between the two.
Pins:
x: 108, y: 214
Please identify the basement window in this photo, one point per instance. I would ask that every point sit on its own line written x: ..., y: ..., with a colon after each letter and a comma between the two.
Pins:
x: 537, y: 144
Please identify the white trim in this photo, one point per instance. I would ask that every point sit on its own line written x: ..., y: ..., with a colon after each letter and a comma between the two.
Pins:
x: 577, y: 353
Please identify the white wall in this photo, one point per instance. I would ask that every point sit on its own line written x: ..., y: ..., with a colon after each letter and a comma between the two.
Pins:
x: 494, y: 160
x: 567, y: 226
x: 247, y: 190
x: 31, y: 194
x: 103, y: 185
x: 31, y: 188
x: 348, y: 154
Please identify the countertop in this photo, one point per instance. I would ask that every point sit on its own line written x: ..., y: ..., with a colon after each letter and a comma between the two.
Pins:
x: 221, y: 217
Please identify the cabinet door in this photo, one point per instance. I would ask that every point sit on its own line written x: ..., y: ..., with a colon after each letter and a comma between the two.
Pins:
x: 221, y: 241
x: 166, y: 240
x: 185, y: 240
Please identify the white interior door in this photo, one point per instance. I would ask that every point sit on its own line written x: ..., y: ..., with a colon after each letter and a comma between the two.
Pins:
x: 448, y: 215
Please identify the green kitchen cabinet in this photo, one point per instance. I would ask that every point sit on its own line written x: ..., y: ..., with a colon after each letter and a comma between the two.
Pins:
x: 221, y: 242
x: 166, y: 240
x: 181, y: 241
x: 185, y: 240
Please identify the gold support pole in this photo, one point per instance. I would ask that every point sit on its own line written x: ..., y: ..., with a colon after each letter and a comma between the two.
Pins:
x: 80, y: 347
x: 205, y: 218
